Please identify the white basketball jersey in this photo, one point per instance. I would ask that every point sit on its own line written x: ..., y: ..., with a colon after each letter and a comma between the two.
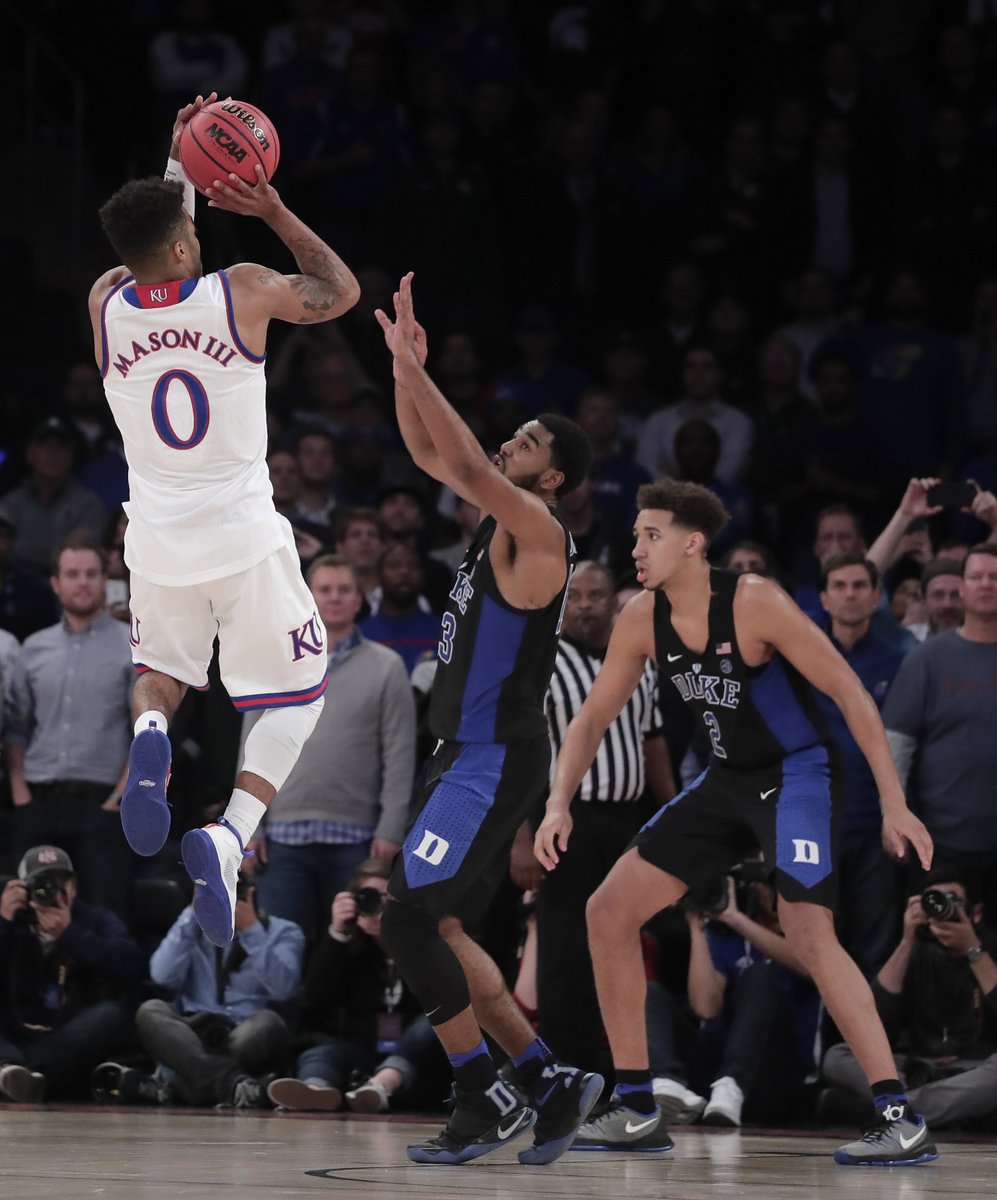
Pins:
x: 190, y: 402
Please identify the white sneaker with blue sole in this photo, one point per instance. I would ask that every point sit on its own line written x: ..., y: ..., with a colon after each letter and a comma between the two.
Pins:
x: 212, y: 857
x: 145, y: 813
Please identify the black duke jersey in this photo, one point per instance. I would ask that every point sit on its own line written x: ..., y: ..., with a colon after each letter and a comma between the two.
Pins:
x: 755, y: 716
x: 495, y: 661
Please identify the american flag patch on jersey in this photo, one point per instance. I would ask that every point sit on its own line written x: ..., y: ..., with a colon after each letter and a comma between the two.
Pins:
x: 722, y: 648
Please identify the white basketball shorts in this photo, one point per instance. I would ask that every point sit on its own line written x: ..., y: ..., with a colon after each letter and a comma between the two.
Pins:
x: 271, y: 641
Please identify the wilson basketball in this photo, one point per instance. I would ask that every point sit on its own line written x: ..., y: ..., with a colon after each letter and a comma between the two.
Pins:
x: 228, y: 136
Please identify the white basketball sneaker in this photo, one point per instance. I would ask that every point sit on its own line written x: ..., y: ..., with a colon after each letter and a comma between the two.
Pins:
x: 212, y: 857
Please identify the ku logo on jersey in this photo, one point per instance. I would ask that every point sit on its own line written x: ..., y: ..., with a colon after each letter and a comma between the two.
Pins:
x: 307, y: 640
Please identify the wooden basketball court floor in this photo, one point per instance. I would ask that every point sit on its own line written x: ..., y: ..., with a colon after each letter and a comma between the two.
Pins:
x: 135, y: 1154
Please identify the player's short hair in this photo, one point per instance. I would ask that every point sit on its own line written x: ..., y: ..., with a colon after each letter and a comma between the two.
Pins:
x: 692, y: 506
x: 980, y: 548
x: 143, y: 218
x: 570, y: 450
x: 835, y: 562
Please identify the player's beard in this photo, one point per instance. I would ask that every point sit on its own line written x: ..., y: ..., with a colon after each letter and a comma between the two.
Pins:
x: 528, y: 482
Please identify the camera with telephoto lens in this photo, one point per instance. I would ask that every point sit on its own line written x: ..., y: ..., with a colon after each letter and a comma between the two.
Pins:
x: 369, y: 901
x: 940, y: 905
x: 45, y: 890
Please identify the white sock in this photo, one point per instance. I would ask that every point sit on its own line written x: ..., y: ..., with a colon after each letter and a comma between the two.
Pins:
x: 151, y: 718
x: 244, y: 813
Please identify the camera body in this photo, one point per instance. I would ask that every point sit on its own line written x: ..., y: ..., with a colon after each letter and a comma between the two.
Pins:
x: 940, y: 905
x: 369, y: 901
x: 45, y: 890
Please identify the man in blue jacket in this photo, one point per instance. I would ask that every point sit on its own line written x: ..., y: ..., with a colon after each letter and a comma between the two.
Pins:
x: 219, y: 1036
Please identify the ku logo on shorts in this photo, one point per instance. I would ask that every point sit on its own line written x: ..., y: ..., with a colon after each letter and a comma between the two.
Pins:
x: 306, y: 640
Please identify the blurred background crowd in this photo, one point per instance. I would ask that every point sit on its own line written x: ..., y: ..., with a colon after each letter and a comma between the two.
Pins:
x: 747, y: 243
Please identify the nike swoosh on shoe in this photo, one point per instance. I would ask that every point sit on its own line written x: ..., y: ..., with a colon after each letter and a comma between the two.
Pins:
x: 630, y: 1127
x: 907, y: 1143
x: 507, y: 1133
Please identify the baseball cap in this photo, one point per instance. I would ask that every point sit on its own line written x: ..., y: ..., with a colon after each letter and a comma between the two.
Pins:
x: 41, y: 859
x: 53, y: 429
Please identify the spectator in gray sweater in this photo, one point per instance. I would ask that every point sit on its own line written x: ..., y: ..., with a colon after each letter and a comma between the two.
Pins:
x: 347, y: 798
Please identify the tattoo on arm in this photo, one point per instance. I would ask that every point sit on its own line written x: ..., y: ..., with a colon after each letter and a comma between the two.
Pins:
x: 319, y: 287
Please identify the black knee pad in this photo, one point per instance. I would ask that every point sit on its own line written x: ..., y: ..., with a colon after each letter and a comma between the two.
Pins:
x: 428, y: 965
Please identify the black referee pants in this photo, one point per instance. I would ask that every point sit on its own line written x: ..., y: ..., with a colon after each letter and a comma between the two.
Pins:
x: 569, y: 1008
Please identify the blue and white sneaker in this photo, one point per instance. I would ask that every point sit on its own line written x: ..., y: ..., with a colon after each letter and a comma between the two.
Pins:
x: 145, y: 813
x: 563, y: 1097
x: 212, y: 857
x: 899, y: 1138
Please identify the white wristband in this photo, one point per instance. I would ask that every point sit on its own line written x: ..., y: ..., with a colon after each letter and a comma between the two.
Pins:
x: 176, y: 174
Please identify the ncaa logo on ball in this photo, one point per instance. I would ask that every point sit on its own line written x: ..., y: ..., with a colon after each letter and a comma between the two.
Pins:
x: 225, y: 141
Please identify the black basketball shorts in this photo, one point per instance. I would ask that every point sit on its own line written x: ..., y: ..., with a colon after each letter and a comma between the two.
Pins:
x: 790, y: 811
x: 473, y: 798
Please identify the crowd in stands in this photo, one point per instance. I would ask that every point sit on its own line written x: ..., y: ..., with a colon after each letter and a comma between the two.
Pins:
x: 749, y: 245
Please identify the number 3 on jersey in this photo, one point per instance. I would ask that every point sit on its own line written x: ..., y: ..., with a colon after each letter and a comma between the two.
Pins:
x: 713, y: 728
x: 448, y: 627
x: 200, y: 410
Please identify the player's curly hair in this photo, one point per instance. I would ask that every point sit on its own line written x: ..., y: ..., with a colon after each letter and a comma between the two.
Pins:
x: 142, y: 218
x: 692, y: 506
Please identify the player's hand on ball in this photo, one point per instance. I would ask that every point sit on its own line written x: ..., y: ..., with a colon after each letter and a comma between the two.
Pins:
x: 188, y: 111
x: 235, y: 195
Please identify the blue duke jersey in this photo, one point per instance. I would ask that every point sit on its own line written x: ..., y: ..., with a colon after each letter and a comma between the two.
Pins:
x: 190, y: 401
x: 755, y: 716
x: 495, y: 661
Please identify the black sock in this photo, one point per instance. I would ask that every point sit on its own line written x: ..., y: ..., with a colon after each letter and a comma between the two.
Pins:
x: 475, y: 1070
x: 634, y: 1089
x: 890, y: 1093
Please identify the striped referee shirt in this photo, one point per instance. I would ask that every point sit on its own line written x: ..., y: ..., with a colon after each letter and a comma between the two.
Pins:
x: 617, y: 773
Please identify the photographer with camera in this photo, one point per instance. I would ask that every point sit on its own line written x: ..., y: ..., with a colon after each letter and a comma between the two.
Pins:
x: 220, y: 1034
x: 937, y: 996
x: 66, y: 971
x: 758, y: 1007
x: 370, y: 1029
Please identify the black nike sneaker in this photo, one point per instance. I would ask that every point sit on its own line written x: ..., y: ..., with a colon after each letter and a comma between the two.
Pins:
x: 477, y: 1126
x: 563, y: 1097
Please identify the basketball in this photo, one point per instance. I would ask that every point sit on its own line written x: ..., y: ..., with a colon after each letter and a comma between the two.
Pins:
x: 229, y: 136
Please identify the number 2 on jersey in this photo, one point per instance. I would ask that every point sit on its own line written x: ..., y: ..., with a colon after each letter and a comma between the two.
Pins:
x: 713, y: 728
